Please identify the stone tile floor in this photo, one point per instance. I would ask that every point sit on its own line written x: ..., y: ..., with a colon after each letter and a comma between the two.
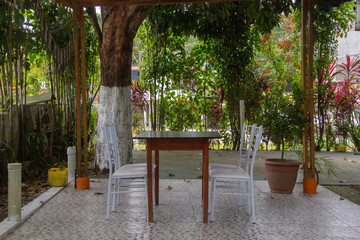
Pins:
x: 80, y: 214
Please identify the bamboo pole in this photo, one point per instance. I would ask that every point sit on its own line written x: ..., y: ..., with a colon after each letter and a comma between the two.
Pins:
x: 311, y: 89
x: 304, y: 8
x: 77, y: 83
x: 307, y: 68
x: 83, y: 83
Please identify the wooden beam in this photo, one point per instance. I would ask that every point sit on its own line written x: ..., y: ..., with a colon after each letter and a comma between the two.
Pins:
x: 93, y: 3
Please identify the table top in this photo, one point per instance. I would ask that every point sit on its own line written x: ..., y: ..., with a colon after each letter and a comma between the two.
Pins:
x: 176, y: 134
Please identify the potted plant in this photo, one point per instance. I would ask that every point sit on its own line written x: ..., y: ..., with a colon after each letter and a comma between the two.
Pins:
x: 283, y: 120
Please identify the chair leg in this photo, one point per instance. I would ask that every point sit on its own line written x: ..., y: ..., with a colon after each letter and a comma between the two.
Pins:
x: 210, y: 195
x: 252, y: 201
x: 240, y: 196
x: 146, y: 193
x: 248, y: 197
x: 153, y: 188
x: 114, y: 195
x: 118, y: 190
x: 108, y: 199
x: 213, y: 183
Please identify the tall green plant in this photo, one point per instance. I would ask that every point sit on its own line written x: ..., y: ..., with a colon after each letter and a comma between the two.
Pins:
x: 329, y: 24
x: 283, y: 116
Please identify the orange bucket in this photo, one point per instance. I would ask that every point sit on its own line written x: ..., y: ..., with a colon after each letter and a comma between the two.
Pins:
x: 310, y: 185
x: 82, y: 183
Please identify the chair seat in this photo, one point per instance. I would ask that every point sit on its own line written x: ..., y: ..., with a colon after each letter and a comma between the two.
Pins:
x: 137, y: 165
x: 213, y: 166
x: 222, y: 165
x: 130, y: 172
x: 229, y: 173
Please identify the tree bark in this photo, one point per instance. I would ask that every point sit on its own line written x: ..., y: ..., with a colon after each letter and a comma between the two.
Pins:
x: 120, y: 25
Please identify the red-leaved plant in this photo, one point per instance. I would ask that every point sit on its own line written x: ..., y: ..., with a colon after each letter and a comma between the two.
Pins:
x: 347, y: 92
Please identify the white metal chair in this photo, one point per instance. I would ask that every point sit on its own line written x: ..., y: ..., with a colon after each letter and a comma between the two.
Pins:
x: 238, y: 175
x: 243, y: 153
x: 117, y: 172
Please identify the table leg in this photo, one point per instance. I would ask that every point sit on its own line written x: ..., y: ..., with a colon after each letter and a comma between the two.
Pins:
x: 149, y: 181
x: 157, y: 169
x: 205, y: 180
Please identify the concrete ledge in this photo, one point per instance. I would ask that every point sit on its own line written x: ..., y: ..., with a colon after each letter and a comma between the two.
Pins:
x: 6, y: 226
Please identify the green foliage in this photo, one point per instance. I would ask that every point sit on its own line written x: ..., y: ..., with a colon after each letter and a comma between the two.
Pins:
x: 282, y: 116
x: 28, y: 63
x: 324, y: 95
x: 278, y: 54
x: 354, y: 130
x: 36, y: 149
x: 322, y: 164
x: 178, y: 76
x: 228, y: 32
x: 329, y: 24
x: 4, y: 147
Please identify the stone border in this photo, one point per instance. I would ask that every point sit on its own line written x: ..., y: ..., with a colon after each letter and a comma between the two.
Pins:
x: 6, y: 226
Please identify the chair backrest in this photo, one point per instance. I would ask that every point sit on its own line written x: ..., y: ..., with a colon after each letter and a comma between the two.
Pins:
x: 245, y: 144
x: 255, y: 144
x: 112, y: 146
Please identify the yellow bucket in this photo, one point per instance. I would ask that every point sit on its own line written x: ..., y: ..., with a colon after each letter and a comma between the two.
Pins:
x: 57, y: 177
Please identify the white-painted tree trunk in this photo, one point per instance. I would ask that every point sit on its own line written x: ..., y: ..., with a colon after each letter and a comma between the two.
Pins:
x: 115, y: 106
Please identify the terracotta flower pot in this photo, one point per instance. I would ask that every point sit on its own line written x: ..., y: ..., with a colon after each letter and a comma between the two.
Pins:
x: 281, y: 175
x: 310, y: 185
x: 82, y: 183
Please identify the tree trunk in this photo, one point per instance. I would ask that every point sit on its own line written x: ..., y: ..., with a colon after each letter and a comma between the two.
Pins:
x: 120, y: 25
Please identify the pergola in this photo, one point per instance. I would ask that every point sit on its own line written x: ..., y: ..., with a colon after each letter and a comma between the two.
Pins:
x: 306, y: 66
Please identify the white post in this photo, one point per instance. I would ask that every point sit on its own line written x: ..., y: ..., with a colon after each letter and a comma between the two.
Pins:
x: 14, y: 191
x: 71, y: 152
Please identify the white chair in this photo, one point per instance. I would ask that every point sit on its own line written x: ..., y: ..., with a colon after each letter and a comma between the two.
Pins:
x: 117, y: 172
x: 238, y: 175
x: 243, y: 153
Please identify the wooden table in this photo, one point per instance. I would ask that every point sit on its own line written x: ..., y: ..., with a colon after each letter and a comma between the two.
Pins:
x: 172, y: 140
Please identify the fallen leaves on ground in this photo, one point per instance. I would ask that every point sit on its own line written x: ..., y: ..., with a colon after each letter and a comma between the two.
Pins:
x: 36, y: 182
x: 95, y: 181
x: 99, y: 193
x: 29, y: 191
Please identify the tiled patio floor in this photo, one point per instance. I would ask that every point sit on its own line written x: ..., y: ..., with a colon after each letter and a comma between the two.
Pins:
x: 80, y: 214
